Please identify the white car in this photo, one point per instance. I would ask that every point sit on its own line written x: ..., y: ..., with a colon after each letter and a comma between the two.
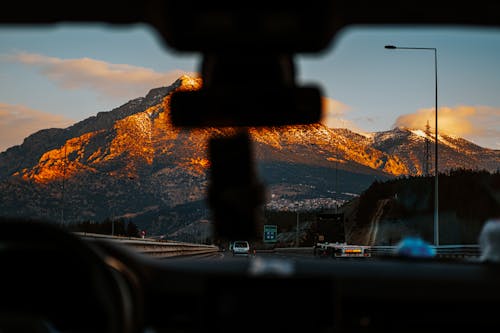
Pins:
x: 241, y: 248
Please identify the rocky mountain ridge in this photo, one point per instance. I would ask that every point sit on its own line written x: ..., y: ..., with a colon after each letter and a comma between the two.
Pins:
x: 132, y: 163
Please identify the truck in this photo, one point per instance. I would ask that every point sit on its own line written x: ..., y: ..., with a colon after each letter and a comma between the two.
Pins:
x: 341, y: 250
x: 330, y: 238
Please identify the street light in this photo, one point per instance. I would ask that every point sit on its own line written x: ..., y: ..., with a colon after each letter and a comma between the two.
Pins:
x: 297, y: 232
x: 297, y: 238
x: 204, y: 225
x: 436, y: 172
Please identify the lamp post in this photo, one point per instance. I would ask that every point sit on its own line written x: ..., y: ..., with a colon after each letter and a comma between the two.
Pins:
x: 204, y: 225
x: 297, y: 212
x: 436, y: 170
x: 297, y: 231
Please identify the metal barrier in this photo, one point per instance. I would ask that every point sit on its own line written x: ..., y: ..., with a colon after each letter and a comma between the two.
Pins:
x: 156, y: 248
x: 458, y: 251
x: 442, y: 251
x: 295, y: 250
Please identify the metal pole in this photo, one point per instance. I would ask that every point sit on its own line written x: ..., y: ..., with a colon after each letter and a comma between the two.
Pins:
x: 336, y: 183
x: 297, y: 233
x: 436, y: 170
x: 63, y: 181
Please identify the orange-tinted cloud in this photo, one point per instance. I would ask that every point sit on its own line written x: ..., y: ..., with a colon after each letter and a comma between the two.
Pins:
x: 480, y: 124
x: 334, y: 115
x: 18, y: 121
x: 114, y: 80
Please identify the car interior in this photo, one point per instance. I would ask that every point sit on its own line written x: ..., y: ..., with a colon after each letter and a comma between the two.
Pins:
x: 55, y: 281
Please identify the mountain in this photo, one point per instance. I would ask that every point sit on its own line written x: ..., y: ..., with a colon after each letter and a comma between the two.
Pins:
x: 453, y: 152
x: 132, y: 163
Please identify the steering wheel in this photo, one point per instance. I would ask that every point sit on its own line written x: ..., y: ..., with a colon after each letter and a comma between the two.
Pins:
x: 55, y: 281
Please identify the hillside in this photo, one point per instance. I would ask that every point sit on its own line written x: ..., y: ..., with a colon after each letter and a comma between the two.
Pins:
x: 387, y: 211
x: 132, y: 163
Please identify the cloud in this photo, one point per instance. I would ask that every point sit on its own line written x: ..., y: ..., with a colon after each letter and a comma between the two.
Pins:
x: 108, y: 79
x: 480, y: 124
x: 18, y: 121
x: 334, y: 115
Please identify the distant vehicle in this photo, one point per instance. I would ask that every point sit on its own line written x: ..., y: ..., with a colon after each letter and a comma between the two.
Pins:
x: 241, y: 248
x: 341, y: 250
x: 330, y: 228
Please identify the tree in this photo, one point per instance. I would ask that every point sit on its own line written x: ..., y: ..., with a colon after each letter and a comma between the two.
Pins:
x: 132, y: 230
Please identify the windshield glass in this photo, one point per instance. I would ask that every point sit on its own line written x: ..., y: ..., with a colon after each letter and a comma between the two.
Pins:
x: 86, y: 140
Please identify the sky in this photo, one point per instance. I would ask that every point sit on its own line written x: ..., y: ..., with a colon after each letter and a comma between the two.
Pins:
x: 58, y: 75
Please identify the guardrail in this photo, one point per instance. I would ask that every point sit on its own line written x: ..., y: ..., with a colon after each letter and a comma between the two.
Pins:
x: 156, y: 248
x: 442, y: 251
x: 295, y: 250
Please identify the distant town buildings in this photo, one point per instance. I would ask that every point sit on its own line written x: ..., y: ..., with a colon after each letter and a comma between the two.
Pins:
x: 285, y: 204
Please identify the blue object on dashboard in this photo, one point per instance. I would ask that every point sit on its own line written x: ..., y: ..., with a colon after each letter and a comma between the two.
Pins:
x: 415, y: 247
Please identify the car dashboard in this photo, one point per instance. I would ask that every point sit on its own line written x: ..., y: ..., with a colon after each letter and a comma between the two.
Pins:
x: 56, y: 281
x: 297, y: 294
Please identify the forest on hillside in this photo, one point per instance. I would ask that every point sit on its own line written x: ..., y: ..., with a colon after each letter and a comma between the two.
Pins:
x: 405, y: 205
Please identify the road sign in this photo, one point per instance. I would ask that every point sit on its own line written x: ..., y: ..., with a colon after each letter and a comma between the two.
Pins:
x: 270, y: 233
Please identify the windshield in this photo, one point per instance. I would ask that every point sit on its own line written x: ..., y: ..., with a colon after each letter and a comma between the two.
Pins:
x: 87, y: 142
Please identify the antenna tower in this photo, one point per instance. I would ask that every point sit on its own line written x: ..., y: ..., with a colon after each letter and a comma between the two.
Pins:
x: 427, y: 162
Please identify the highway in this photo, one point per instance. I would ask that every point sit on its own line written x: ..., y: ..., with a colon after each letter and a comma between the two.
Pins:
x: 170, y: 249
